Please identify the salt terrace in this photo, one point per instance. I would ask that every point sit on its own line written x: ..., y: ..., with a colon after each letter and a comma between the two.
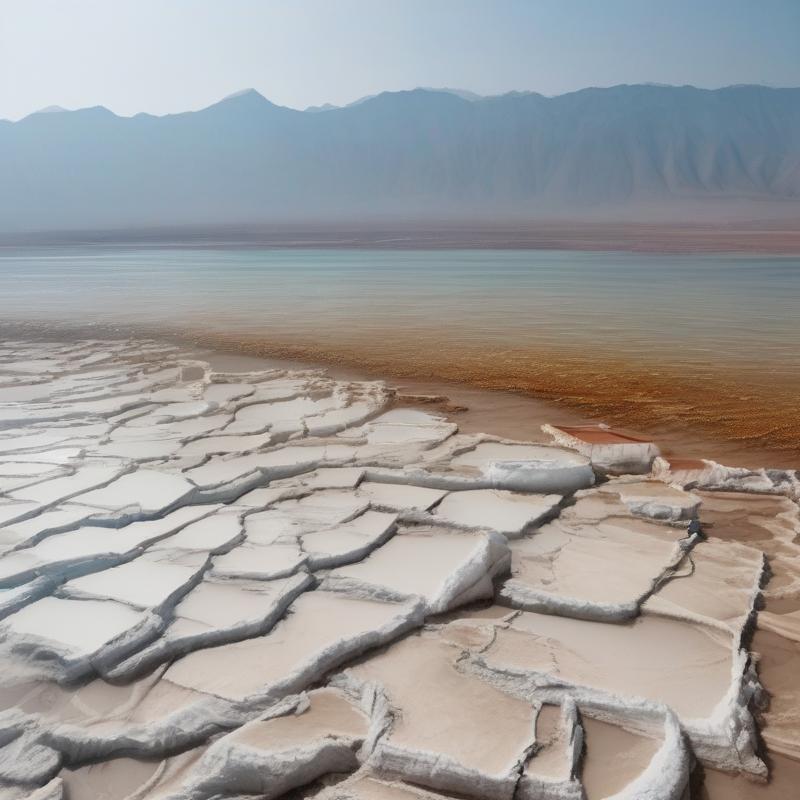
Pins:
x: 244, y: 585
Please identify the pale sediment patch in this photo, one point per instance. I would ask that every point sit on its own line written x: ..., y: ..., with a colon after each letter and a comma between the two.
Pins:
x: 435, y: 710
x: 319, y: 734
x: 444, y: 568
x: 508, y: 513
x: 322, y: 631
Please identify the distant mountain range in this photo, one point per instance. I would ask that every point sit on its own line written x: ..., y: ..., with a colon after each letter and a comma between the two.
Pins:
x: 625, y: 151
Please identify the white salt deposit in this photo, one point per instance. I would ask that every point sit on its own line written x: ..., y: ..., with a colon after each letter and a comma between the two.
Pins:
x: 508, y: 513
x: 283, y: 579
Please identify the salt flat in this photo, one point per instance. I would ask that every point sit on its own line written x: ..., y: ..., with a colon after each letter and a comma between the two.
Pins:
x: 220, y: 585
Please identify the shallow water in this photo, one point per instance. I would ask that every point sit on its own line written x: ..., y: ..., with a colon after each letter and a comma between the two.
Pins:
x: 709, y: 306
x: 708, y: 339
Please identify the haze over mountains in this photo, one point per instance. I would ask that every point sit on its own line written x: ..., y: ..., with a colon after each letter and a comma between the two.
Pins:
x: 624, y: 152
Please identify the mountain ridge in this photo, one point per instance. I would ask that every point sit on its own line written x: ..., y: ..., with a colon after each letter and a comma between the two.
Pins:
x: 419, y: 152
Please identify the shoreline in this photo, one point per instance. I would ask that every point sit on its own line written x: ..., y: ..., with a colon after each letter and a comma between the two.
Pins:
x: 679, y: 436
x: 518, y: 403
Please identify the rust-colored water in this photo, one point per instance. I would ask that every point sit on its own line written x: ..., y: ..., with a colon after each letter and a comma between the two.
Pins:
x: 704, y: 344
x: 753, y: 421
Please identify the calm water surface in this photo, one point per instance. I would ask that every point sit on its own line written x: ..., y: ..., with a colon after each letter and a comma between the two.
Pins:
x: 689, y: 308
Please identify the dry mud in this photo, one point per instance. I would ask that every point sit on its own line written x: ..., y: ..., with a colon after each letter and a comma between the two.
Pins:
x: 277, y: 583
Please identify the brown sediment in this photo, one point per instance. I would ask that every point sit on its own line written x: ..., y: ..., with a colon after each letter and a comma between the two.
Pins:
x: 711, y: 784
x: 614, y: 757
x: 118, y: 777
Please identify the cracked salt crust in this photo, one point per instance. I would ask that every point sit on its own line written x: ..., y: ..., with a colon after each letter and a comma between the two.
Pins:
x: 227, y: 578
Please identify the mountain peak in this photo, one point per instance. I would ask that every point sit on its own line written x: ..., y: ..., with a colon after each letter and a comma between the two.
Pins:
x: 252, y: 93
x: 246, y: 100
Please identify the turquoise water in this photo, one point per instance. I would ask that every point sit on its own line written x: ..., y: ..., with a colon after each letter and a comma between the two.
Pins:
x: 687, y: 309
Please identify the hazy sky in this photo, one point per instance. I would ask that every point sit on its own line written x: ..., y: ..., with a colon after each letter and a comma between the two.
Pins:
x: 173, y: 55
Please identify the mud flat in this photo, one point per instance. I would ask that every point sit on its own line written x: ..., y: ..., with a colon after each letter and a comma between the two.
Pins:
x: 270, y: 581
